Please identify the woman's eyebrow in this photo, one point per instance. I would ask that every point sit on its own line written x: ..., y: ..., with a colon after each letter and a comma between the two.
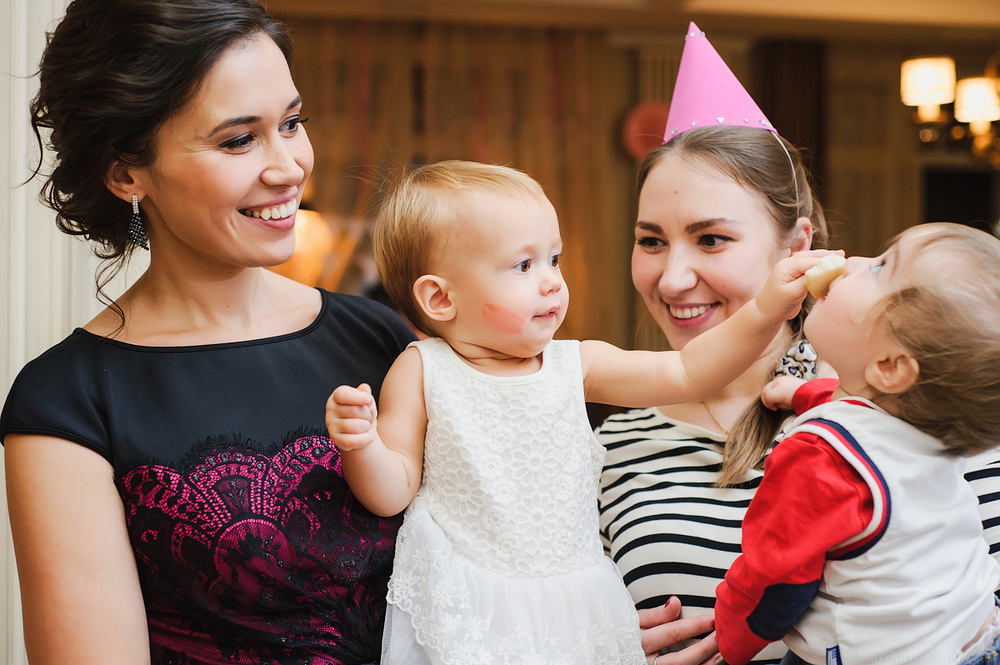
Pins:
x: 246, y: 119
x: 695, y: 227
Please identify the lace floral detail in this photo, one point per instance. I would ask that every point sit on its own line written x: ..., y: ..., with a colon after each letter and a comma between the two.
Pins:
x: 494, y: 449
x: 255, y: 559
x: 499, y: 559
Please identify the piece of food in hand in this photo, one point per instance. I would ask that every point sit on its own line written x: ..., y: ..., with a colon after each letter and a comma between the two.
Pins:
x: 819, y: 277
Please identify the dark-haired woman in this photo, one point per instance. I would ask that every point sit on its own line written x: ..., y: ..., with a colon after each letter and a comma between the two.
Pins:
x: 173, y: 496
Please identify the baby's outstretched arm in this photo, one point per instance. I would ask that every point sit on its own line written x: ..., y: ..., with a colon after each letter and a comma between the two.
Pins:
x: 708, y: 362
x: 382, y: 451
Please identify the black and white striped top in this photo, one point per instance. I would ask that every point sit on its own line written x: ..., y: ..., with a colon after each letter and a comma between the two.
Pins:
x: 669, y: 530
x: 672, y: 533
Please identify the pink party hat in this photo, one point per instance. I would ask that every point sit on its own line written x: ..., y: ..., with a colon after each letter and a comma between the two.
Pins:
x: 707, y: 93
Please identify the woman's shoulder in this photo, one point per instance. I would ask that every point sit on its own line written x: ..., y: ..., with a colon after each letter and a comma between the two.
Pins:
x: 335, y: 303
x: 74, y: 357
x: 57, y: 393
x: 357, y: 315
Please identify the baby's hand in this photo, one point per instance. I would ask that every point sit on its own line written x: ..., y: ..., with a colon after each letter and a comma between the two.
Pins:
x: 350, y: 417
x: 782, y: 295
x: 778, y: 393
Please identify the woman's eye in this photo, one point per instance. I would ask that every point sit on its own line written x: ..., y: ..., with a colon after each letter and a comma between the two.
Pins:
x: 239, y: 142
x: 524, y: 265
x: 292, y: 124
x: 712, y: 240
x: 877, y: 267
x: 649, y: 242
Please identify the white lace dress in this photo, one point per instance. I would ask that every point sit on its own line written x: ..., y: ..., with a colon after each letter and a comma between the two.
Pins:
x: 499, y: 559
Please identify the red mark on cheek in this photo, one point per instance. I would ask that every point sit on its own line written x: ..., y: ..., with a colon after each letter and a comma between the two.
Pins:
x: 502, y: 319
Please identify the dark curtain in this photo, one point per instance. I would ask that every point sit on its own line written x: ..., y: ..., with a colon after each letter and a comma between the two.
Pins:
x: 789, y: 84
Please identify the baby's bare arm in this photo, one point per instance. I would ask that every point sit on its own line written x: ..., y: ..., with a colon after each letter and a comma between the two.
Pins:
x: 708, y: 362
x: 382, y: 450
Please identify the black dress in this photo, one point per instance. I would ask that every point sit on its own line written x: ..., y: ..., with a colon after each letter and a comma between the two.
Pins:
x: 249, y: 545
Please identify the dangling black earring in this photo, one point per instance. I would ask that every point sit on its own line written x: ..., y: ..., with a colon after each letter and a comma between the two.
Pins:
x: 136, y: 229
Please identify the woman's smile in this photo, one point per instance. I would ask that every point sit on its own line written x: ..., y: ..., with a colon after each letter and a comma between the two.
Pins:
x: 687, y: 312
x: 266, y: 213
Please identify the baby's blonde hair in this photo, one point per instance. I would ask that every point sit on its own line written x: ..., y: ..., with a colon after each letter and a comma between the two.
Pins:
x: 950, y: 323
x: 422, y: 210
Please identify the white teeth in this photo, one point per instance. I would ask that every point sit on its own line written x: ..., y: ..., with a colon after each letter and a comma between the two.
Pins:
x: 274, y: 212
x: 688, y: 312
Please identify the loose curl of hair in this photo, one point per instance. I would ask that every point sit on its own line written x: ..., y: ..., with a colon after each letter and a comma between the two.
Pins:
x: 756, y: 160
x: 113, y: 72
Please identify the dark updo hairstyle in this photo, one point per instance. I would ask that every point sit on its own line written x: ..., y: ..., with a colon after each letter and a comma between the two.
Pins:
x: 113, y: 72
x: 767, y: 165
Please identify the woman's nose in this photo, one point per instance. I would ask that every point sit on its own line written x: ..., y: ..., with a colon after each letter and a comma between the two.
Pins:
x: 282, y: 166
x: 679, y: 274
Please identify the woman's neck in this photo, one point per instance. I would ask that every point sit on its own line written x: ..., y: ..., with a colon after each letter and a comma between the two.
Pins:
x: 720, y: 412
x: 163, y: 309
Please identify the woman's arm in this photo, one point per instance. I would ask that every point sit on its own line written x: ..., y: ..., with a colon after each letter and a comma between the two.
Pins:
x: 79, y: 584
x: 382, y: 450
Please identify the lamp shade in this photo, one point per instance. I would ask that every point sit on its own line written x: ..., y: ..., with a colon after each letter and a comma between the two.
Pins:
x: 924, y: 81
x: 977, y: 103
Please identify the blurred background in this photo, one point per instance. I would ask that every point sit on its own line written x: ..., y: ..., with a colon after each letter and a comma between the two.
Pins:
x: 575, y: 91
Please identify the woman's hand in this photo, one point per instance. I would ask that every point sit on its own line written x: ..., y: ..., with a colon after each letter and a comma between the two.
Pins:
x: 660, y: 627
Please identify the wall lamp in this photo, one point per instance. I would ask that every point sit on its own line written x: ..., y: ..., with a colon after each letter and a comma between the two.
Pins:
x: 928, y: 83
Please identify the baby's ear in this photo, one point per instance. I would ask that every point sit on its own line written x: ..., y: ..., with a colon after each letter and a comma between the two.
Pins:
x: 431, y: 292
x: 893, y: 373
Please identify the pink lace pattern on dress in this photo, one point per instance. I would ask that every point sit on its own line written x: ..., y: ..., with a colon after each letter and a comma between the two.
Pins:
x: 249, y: 558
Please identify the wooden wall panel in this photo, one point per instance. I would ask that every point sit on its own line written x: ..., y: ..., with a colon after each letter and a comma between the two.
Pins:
x: 384, y: 95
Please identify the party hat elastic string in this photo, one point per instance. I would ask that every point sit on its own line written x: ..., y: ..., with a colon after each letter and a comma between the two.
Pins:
x: 795, y: 178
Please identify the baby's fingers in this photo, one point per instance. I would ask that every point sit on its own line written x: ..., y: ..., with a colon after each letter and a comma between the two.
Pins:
x: 350, y: 417
x: 773, y: 397
x: 351, y: 396
x: 797, y: 264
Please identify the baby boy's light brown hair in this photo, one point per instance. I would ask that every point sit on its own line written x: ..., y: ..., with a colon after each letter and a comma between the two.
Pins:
x: 950, y: 323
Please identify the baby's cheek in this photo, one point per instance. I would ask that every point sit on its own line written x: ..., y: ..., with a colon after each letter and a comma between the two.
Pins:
x: 502, y: 319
